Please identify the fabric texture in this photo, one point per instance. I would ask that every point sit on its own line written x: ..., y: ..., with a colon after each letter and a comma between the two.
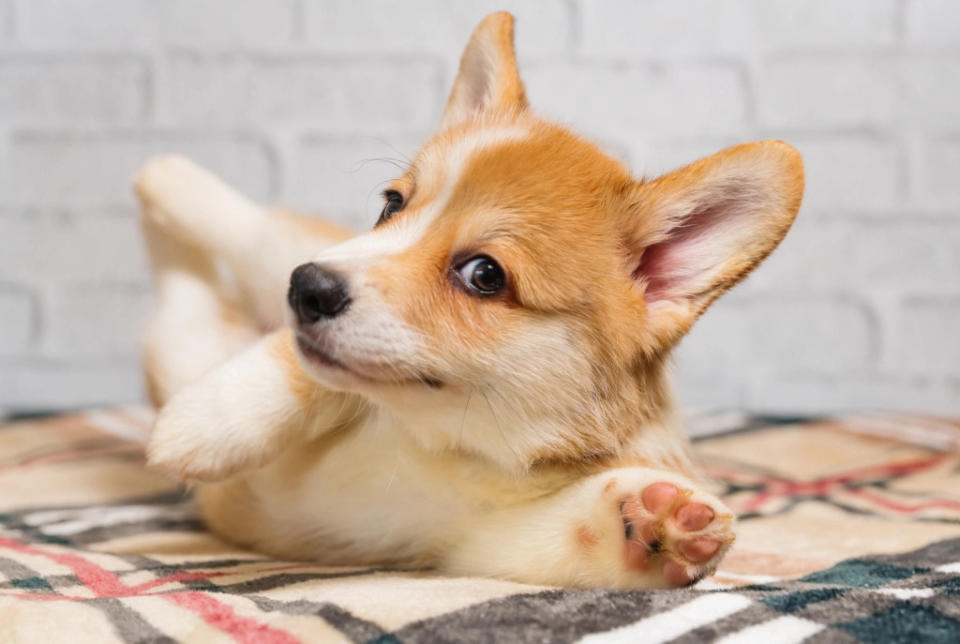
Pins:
x: 849, y: 531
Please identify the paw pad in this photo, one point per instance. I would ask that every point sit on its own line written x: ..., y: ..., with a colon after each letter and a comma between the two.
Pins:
x: 665, y: 529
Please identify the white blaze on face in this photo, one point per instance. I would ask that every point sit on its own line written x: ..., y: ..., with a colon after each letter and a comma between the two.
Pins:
x: 443, y: 163
x: 368, y: 337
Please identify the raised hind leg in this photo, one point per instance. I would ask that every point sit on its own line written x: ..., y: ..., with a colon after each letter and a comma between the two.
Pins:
x: 221, y: 266
x: 257, y: 247
x: 194, y: 325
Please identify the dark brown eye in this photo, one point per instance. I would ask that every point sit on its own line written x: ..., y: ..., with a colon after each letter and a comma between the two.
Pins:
x: 394, y: 204
x: 482, y: 275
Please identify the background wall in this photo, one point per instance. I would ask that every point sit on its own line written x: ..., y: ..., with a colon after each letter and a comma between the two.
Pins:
x: 291, y: 99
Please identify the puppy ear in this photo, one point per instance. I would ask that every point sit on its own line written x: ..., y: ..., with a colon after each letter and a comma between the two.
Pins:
x: 694, y: 233
x: 488, y: 76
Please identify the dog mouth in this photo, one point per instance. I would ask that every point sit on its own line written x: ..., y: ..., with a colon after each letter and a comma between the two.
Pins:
x: 316, y: 354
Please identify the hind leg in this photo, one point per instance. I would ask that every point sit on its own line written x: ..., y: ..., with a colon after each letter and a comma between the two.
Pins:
x: 194, y: 325
x: 258, y: 248
x: 221, y: 265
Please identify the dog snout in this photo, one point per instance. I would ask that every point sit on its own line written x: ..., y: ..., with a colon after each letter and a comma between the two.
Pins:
x: 316, y: 293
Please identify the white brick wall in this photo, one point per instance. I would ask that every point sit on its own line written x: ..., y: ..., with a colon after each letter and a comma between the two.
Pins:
x: 308, y: 101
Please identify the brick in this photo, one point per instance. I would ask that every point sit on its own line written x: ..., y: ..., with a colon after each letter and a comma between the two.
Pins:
x: 859, y: 174
x: 819, y: 395
x: 72, y: 249
x: 83, y: 170
x: 321, y: 93
x: 709, y: 362
x: 142, y: 24
x: 715, y: 345
x: 783, y: 334
x: 343, y: 178
x: 664, y: 29
x: 932, y: 24
x: 699, y: 392
x: 931, y: 91
x: 6, y: 24
x: 937, y: 176
x: 827, y: 92
x: 814, y: 24
x: 797, y: 334
x: 51, y: 385
x: 621, y: 103
x: 930, y: 336
x: 543, y: 27
x: 861, y: 255
x: 17, y: 320
x: 85, y: 321
x: 60, y: 89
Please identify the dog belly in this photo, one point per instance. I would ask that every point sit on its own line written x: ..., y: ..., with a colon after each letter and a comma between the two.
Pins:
x: 370, y: 496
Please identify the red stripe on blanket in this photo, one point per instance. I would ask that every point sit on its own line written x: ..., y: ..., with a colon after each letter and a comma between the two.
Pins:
x: 104, y: 583
x: 243, y: 629
x: 850, y: 482
x: 906, y: 508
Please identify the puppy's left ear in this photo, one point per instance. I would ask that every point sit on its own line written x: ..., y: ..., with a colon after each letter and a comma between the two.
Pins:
x: 694, y: 233
x: 488, y: 77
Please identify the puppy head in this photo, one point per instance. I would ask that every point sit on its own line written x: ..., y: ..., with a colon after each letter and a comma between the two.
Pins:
x: 521, y: 290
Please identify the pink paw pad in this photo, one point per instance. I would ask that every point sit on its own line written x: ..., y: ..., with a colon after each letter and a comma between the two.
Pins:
x: 658, y: 496
x: 655, y: 522
x: 693, y: 516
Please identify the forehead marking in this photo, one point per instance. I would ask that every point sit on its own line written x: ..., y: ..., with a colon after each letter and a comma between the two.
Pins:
x: 447, y: 162
x: 454, y: 156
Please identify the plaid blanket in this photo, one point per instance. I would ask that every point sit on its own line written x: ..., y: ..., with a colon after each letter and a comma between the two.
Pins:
x: 850, y: 531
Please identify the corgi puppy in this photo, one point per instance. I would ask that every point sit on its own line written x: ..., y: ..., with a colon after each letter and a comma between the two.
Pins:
x: 479, y: 383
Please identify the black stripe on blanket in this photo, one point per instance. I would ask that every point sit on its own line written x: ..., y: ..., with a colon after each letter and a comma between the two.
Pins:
x: 903, y: 598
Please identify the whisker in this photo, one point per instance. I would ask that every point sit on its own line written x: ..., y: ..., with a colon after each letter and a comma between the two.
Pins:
x: 393, y: 474
x: 463, y: 420
x: 518, y: 415
x: 396, y: 163
x: 499, y: 428
x: 394, y: 148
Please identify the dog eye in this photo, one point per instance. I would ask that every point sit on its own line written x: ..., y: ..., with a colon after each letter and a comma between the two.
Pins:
x: 393, y: 205
x: 482, y: 275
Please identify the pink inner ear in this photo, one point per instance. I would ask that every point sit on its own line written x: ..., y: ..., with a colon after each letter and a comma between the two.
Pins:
x: 678, y: 267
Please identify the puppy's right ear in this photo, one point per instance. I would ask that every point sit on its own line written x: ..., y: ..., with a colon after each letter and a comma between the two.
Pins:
x: 488, y: 77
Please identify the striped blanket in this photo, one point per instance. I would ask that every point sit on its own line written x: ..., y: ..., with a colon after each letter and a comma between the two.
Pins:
x: 850, y: 531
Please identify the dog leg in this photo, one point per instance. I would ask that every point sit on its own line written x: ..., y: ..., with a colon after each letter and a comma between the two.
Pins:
x: 244, y: 412
x: 193, y: 326
x: 260, y: 248
x: 626, y: 528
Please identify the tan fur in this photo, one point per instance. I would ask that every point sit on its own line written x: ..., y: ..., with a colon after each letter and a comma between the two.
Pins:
x: 494, y: 435
x: 283, y: 351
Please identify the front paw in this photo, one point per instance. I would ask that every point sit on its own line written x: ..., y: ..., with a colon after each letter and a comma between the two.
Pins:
x: 191, y: 447
x: 673, y: 534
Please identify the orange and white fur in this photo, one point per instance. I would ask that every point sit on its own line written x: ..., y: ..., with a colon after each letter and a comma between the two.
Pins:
x: 480, y: 382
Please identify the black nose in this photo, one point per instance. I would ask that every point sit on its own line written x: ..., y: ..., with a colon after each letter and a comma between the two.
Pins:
x: 316, y: 293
